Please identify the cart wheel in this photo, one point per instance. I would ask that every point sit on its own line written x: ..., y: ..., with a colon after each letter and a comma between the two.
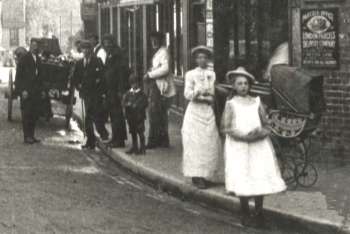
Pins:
x: 10, y: 96
x: 306, y: 174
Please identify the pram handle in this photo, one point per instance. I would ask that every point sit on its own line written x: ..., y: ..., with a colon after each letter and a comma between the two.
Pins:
x: 296, y: 114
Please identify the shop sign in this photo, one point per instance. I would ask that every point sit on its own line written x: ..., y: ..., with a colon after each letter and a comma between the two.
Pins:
x: 136, y: 2
x: 319, y: 38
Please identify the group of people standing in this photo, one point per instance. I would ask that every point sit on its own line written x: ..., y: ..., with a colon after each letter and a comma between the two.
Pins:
x: 110, y: 90
x: 102, y: 79
x: 251, y: 169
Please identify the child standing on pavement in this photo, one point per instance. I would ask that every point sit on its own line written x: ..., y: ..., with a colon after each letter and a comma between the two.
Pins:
x: 251, y: 169
x: 135, y: 104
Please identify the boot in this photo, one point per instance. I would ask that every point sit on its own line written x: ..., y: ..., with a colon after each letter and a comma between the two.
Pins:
x: 245, y: 214
x: 259, y: 219
x: 134, y: 147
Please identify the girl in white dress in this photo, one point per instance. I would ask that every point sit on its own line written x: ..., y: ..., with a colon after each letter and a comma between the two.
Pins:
x: 251, y: 169
x: 200, y: 135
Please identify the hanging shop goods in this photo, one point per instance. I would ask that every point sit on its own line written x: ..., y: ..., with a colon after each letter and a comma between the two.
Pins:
x: 319, y: 38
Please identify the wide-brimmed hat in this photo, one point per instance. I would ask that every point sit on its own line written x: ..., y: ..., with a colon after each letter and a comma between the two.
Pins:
x: 240, y: 71
x: 202, y: 49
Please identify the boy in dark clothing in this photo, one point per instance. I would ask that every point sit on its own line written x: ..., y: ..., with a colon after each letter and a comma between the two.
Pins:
x: 135, y: 103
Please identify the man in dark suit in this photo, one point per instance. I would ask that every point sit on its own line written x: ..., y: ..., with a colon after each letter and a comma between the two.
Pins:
x: 116, y: 73
x: 29, y: 87
x: 102, y: 109
x: 88, y: 79
x: 98, y: 50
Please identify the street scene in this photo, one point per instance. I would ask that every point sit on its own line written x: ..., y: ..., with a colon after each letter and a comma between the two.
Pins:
x: 175, y: 116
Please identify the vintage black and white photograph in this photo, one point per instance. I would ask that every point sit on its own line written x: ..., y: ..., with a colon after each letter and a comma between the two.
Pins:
x: 175, y: 117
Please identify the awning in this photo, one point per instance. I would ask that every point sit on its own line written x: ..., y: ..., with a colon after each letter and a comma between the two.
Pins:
x: 124, y: 3
x: 13, y: 14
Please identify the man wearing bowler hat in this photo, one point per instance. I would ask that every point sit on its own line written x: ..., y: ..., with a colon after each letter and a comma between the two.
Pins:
x: 88, y: 79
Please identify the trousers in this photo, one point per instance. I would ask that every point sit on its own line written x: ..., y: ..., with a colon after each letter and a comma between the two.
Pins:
x: 30, y: 110
x: 115, y: 112
x: 91, y: 118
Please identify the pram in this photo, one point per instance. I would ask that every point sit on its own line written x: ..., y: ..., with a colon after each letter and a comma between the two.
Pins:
x: 295, y: 111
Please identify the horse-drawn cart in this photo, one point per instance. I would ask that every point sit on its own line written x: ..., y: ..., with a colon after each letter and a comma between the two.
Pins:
x: 56, y: 76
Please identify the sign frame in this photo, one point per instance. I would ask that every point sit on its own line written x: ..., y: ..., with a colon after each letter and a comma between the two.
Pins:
x: 333, y: 28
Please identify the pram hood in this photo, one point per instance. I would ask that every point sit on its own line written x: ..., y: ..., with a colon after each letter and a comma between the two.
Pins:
x: 297, y: 90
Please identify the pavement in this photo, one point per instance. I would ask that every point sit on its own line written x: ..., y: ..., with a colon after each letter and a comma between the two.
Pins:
x: 323, y: 208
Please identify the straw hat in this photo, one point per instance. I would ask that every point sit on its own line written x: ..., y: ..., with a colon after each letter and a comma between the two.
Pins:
x: 240, y: 71
x: 202, y: 49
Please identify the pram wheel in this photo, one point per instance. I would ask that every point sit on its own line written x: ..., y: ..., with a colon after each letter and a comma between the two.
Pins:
x: 306, y: 174
x: 287, y: 167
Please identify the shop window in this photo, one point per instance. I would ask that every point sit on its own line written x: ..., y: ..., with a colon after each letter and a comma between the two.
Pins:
x: 115, y: 21
x: 197, y: 23
x: 246, y: 33
x: 176, y: 38
x: 167, y: 17
x: 124, y: 29
x: 14, y: 37
x: 132, y: 37
x: 201, y: 28
x: 105, y: 21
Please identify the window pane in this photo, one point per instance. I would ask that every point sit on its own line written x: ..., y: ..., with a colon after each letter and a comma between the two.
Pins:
x: 257, y: 27
x: 14, y: 37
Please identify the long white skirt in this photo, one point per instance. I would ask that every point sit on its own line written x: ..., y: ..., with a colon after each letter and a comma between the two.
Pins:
x: 201, y: 142
x: 251, y: 169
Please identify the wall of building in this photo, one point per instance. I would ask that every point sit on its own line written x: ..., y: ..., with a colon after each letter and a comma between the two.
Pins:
x: 5, y: 40
x: 336, y: 120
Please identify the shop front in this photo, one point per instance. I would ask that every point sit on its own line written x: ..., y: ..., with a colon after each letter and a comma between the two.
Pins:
x: 244, y: 32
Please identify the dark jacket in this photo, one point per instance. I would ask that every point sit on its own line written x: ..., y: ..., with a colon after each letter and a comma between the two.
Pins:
x: 117, y: 72
x: 135, y: 104
x: 28, y: 75
x: 89, y: 79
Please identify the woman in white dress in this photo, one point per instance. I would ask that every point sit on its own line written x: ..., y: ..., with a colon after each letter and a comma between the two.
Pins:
x: 251, y: 169
x: 200, y: 136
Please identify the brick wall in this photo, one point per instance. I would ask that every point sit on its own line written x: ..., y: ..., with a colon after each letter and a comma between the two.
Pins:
x: 336, y: 119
